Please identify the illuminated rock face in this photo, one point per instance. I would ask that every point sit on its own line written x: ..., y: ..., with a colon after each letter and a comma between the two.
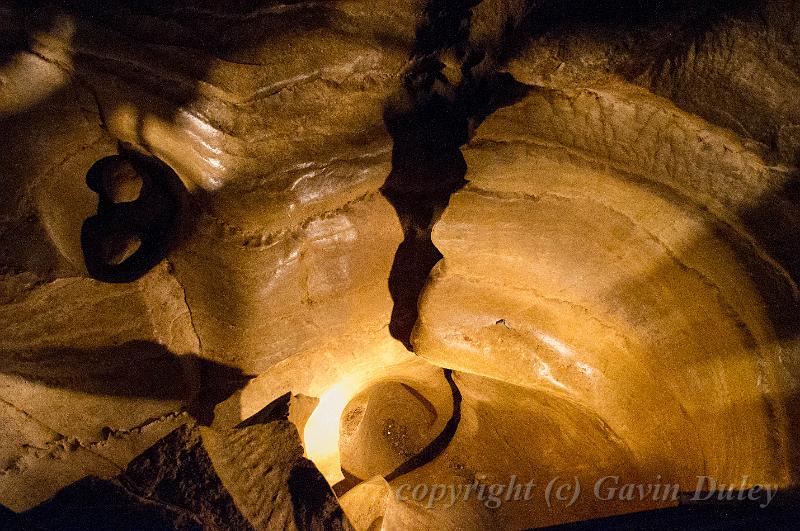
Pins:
x: 616, y: 281
x: 583, y: 222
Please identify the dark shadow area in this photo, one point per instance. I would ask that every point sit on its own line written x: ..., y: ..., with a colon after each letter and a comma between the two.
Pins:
x: 315, y: 505
x: 781, y: 513
x: 140, y: 201
x: 93, y: 503
x: 793, y: 434
x: 173, y: 485
x: 12, y: 36
x: 134, y: 369
x: 427, y: 168
x: 429, y: 123
x: 8, y: 518
x: 775, y: 223
x: 218, y: 382
x: 445, y: 23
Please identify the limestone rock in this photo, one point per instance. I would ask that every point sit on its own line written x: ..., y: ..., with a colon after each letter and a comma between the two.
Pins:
x: 366, y: 503
x: 171, y: 486
x: 261, y: 464
x: 668, y: 283
x: 581, y: 216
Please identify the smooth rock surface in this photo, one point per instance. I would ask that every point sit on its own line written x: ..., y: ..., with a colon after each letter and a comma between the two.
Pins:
x: 616, y: 292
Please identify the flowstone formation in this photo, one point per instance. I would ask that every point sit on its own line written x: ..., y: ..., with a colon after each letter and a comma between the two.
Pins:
x: 419, y: 265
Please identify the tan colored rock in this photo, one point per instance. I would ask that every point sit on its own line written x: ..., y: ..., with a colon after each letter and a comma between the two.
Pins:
x: 617, y: 294
x: 295, y: 199
x: 366, y: 503
x: 171, y: 485
x: 262, y: 466
x: 588, y: 258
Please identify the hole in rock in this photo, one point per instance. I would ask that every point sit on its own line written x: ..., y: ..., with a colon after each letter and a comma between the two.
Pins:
x: 122, y: 183
x: 116, y: 248
x: 139, y: 212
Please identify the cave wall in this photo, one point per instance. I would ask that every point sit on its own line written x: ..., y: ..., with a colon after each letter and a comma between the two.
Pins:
x: 595, y: 207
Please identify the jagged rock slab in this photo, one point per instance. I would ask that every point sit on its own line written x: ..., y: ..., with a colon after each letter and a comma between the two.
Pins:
x: 170, y: 486
x: 275, y: 487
